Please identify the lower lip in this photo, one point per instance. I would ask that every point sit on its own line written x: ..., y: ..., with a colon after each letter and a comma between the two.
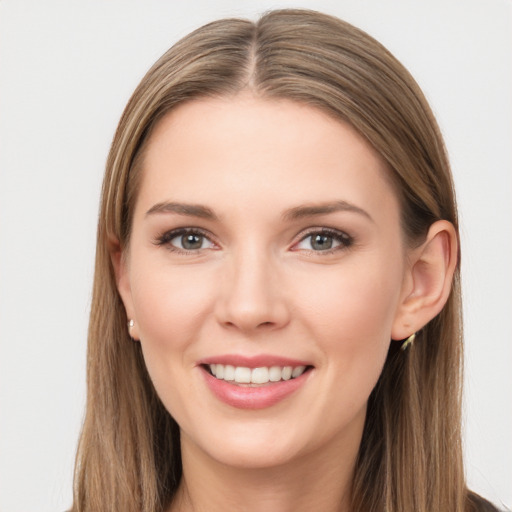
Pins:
x: 260, y: 397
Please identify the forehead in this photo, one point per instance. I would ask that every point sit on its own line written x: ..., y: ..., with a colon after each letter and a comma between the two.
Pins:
x: 252, y: 149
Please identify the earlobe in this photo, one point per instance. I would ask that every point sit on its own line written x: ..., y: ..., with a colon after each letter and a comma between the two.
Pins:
x: 430, y: 276
x: 120, y: 265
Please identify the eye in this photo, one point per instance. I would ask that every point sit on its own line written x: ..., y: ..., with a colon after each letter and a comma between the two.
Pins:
x: 185, y: 240
x: 324, y: 241
x: 190, y: 241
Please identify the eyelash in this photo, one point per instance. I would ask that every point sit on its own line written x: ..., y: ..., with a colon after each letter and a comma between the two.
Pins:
x: 345, y: 241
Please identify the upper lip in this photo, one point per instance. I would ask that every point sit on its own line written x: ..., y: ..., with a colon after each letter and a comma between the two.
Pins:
x: 257, y: 361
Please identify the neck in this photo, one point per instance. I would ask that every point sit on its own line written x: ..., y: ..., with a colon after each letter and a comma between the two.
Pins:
x: 316, y: 481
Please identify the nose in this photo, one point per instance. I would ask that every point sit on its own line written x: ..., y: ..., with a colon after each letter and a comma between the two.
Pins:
x: 252, y: 296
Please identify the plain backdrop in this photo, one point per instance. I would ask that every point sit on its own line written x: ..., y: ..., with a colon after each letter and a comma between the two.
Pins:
x: 67, y: 68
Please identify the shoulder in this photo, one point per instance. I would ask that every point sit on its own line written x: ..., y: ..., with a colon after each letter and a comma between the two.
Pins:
x: 478, y: 504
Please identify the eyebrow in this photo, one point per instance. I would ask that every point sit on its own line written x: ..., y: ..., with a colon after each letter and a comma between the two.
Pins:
x: 300, y: 212
x: 189, y: 210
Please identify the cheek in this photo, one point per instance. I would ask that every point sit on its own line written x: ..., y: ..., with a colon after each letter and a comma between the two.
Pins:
x: 170, y: 304
x: 358, y: 299
x: 350, y: 315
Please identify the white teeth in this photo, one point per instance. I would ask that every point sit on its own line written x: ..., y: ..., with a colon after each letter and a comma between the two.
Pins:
x: 298, y: 370
x: 287, y: 373
x: 274, y: 374
x: 242, y: 375
x: 229, y: 372
x: 262, y: 375
x: 259, y: 375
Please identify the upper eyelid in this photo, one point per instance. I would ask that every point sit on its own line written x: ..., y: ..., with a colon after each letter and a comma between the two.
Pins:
x: 323, y: 230
x: 187, y: 229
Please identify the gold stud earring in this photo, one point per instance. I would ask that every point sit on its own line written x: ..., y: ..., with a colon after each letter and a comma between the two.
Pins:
x: 409, y: 341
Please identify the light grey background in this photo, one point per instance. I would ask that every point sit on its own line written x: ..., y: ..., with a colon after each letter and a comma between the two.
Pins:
x: 67, y: 69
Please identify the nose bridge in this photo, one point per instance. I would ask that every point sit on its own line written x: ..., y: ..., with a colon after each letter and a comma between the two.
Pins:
x: 252, y: 297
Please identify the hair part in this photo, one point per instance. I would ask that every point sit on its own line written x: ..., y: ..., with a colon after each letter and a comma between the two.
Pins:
x: 411, y: 456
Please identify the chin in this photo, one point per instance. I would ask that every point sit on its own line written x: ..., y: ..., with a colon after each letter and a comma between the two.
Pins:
x: 249, y: 455
x: 257, y: 444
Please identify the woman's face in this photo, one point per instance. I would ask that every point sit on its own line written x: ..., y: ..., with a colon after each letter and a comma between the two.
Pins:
x: 266, y: 242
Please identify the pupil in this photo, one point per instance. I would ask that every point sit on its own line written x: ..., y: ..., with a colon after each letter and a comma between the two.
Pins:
x: 321, y: 242
x: 191, y: 241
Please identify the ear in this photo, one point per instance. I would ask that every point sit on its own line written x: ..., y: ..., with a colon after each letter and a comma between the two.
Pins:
x: 428, y: 280
x: 121, y: 269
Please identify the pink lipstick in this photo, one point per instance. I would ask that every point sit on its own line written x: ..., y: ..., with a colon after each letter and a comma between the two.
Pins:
x: 253, y: 382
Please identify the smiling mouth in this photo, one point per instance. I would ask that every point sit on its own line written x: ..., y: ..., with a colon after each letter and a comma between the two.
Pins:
x: 242, y: 375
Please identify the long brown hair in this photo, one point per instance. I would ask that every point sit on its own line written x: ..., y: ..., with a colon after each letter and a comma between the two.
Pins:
x: 410, y: 458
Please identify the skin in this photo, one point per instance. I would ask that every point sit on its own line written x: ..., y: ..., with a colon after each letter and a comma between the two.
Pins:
x: 257, y: 285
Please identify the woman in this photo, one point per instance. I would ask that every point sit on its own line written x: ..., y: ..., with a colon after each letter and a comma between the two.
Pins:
x: 277, y: 207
